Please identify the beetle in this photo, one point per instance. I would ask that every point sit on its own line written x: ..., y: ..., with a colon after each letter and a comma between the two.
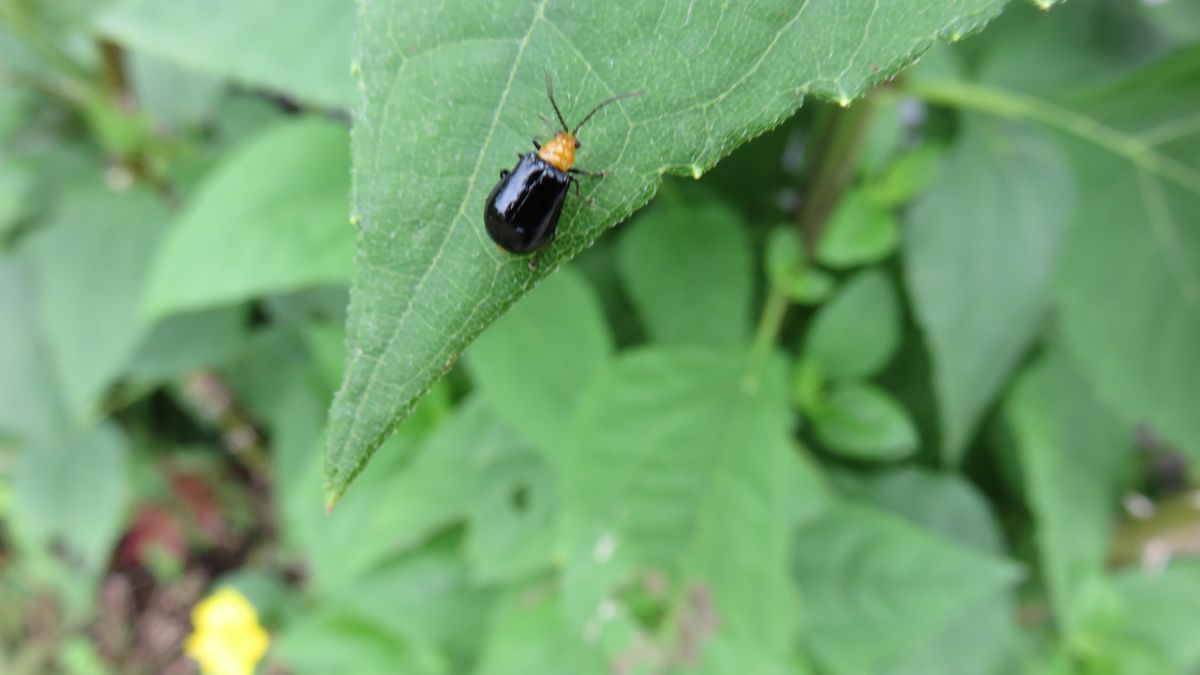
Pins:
x: 522, y: 211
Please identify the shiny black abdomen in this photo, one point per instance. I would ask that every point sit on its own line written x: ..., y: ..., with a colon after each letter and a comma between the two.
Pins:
x: 522, y: 212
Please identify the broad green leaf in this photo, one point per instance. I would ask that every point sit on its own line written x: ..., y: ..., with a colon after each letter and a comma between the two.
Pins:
x: 30, y: 406
x: 334, y: 640
x: 979, y: 253
x: 1073, y: 454
x: 943, y: 503
x: 175, y: 99
x: 859, y: 232
x: 983, y: 637
x: 856, y: 333
x: 688, y: 269
x: 426, y: 597
x: 424, y: 487
x: 301, y: 50
x: 449, y: 94
x: 510, y: 532
x: 271, y: 218
x: 68, y: 503
x: 186, y: 342
x: 1129, y: 284
x: 532, y: 364
x: 862, y: 421
x: 90, y: 265
x: 529, y: 636
x: 875, y: 588
x: 16, y: 183
x: 1158, y: 608
x: 673, y: 466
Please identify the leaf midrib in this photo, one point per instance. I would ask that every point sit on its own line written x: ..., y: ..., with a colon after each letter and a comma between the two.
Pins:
x: 406, y: 313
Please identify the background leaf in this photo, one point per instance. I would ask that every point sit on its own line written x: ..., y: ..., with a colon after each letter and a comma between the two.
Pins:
x: 1073, y: 454
x: 852, y: 558
x: 863, y: 422
x: 68, y: 505
x: 688, y: 270
x: 859, y: 231
x: 858, y: 331
x: 30, y: 406
x: 90, y: 266
x: 288, y: 232
x: 300, y: 50
x: 670, y: 461
x: 534, y: 363
x: 427, y: 147
x: 980, y: 292
x: 1129, y: 286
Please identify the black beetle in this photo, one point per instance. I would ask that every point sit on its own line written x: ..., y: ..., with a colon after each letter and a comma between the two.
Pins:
x: 521, y: 213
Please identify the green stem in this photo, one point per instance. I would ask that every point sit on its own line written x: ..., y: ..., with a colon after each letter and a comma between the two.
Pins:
x: 769, y: 325
x: 1017, y: 106
x: 839, y: 134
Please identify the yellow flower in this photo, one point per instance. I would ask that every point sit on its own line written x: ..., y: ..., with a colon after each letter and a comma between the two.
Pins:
x: 226, y: 637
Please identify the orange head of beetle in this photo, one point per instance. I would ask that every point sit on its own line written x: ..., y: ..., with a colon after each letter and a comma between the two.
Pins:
x: 559, y: 151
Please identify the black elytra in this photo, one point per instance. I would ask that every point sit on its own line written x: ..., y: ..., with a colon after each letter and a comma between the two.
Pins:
x: 522, y: 211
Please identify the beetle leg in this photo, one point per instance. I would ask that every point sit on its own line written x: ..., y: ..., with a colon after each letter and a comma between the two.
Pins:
x: 533, y: 261
x: 536, y: 145
x: 504, y: 173
x: 589, y: 174
x: 591, y: 201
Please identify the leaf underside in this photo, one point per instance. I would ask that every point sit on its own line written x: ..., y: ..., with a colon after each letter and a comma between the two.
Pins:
x: 449, y: 94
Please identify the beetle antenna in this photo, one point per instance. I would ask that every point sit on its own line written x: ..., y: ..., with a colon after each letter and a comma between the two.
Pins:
x: 603, y: 103
x: 550, y: 93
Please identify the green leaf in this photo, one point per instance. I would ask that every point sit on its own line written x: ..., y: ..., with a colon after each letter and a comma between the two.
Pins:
x: 68, y: 503
x: 672, y: 466
x: 859, y: 232
x: 905, y: 178
x: 1158, y: 608
x: 944, y: 504
x: 979, y: 253
x: 90, y: 265
x: 1073, y: 454
x: 788, y: 271
x: 426, y: 486
x: 530, y: 636
x: 186, y: 342
x: 532, y: 365
x: 510, y: 532
x: 857, y: 333
x: 425, y: 596
x: 298, y: 49
x: 688, y: 269
x: 875, y: 588
x: 983, y: 637
x: 29, y: 399
x: 1129, y: 284
x: 862, y: 421
x: 271, y: 218
x: 326, y: 641
x: 175, y: 99
x: 16, y: 184
x: 447, y: 96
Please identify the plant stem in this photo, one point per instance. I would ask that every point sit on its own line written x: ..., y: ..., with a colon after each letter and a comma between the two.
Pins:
x: 1013, y: 105
x: 839, y: 133
x: 769, y: 325
x: 113, y: 75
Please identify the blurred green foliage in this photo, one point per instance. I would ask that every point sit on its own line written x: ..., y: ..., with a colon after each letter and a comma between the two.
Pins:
x: 904, y: 387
